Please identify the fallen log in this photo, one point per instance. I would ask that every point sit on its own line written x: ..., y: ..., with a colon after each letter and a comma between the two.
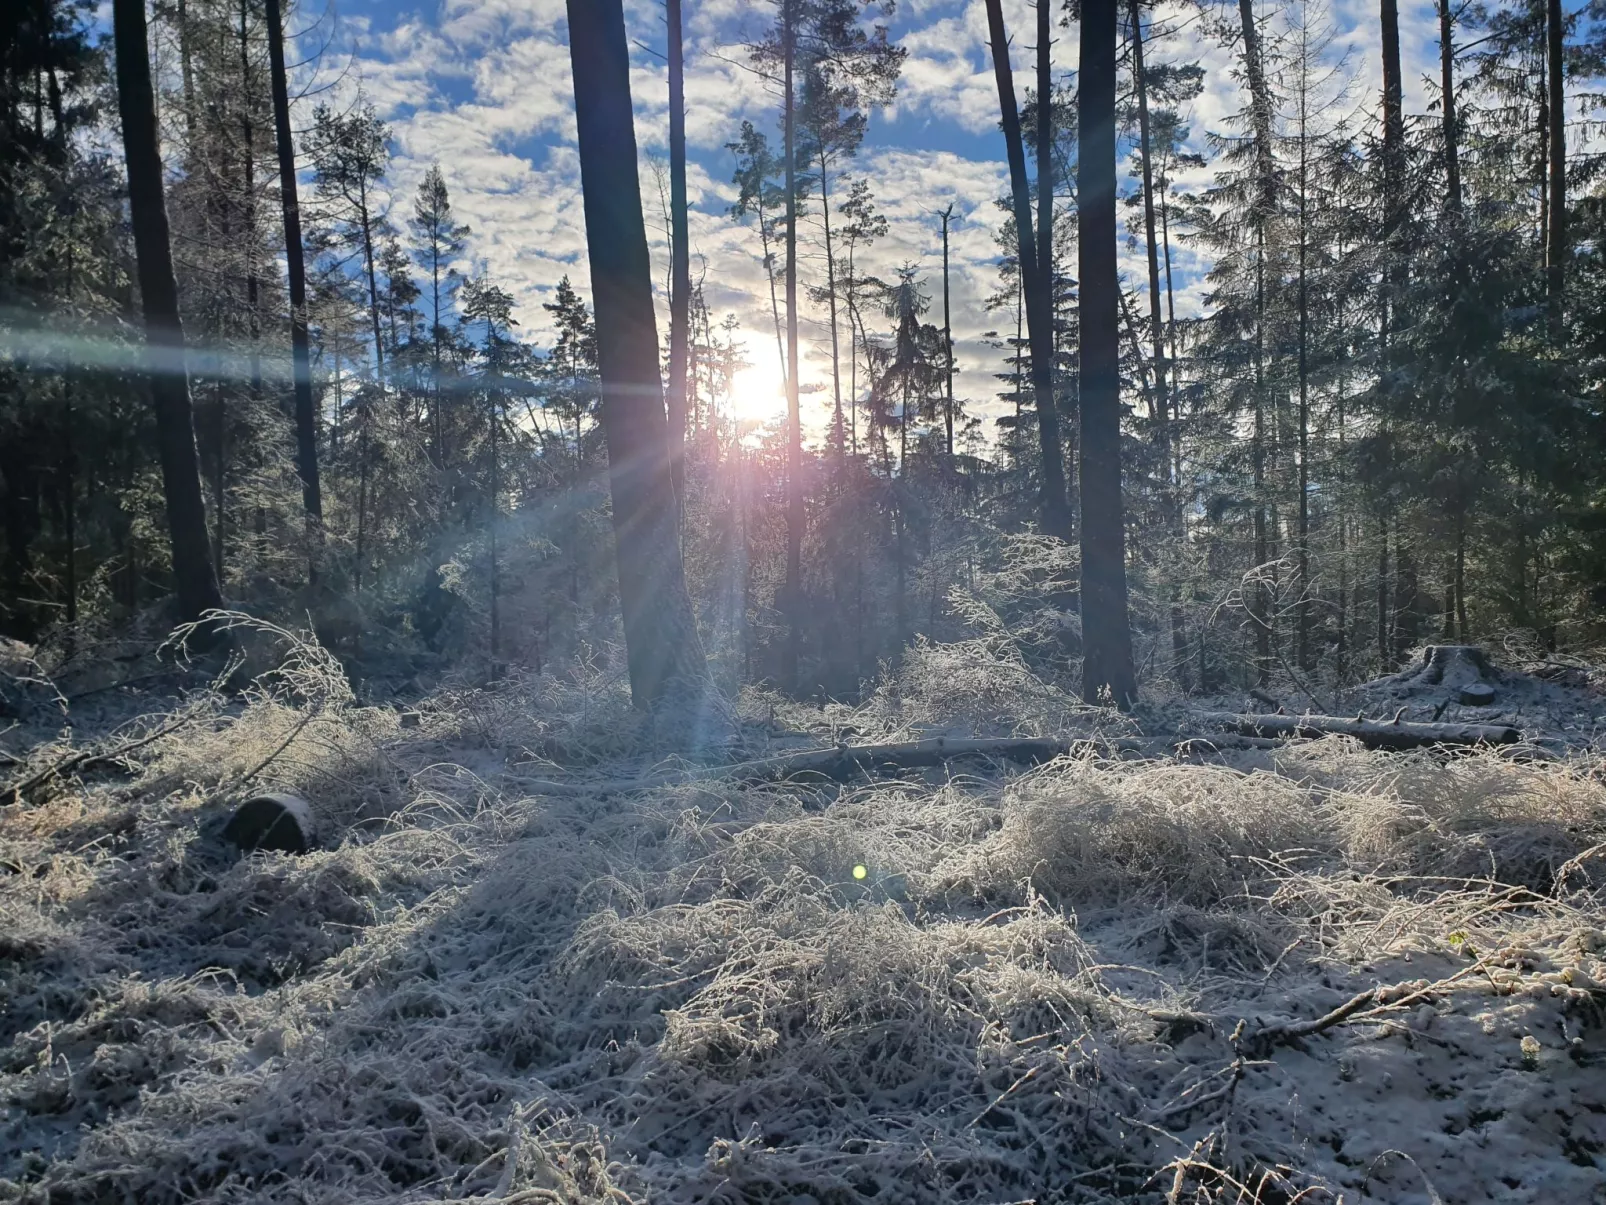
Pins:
x: 842, y: 762
x: 1374, y: 734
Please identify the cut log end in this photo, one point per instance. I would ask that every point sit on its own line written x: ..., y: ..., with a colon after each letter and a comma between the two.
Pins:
x: 278, y: 822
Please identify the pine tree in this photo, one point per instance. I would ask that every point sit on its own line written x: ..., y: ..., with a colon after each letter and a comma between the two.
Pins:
x: 438, y: 240
x: 349, y: 153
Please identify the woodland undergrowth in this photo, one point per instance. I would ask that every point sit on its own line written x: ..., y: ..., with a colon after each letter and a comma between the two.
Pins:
x: 1058, y: 984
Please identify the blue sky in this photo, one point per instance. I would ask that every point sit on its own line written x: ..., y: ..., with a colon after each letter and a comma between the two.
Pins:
x: 484, y: 88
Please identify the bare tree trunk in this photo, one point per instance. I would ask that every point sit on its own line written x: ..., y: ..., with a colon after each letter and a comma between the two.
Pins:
x: 186, y: 69
x: 794, y: 417
x: 947, y: 335
x: 1261, y: 212
x: 1393, y: 159
x: 220, y: 460
x: 1556, y: 248
x: 1161, y: 409
x: 1452, y: 133
x: 830, y: 289
x: 362, y: 502
x: 1045, y: 184
x: 496, y: 516
x: 1259, y: 601
x: 1053, y: 509
x: 1106, y: 637
x: 195, y: 581
x: 1302, y: 652
x: 1385, y: 657
x: 853, y: 355
x: 662, y: 646
x: 296, y: 270
x: 769, y: 271
x: 1341, y: 652
x: 373, y: 284
x: 1461, y: 576
x: 679, y: 253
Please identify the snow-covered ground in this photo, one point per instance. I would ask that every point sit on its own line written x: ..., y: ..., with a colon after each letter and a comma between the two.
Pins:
x: 1092, y: 980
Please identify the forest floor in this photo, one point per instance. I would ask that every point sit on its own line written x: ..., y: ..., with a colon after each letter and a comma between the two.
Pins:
x: 1311, y: 972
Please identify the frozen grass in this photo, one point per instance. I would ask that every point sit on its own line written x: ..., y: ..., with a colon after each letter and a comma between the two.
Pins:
x: 685, y: 994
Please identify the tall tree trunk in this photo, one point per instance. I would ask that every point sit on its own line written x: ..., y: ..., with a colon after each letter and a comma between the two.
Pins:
x: 662, y: 646
x: 186, y: 71
x: 1106, y: 637
x: 794, y: 419
x: 1556, y: 248
x: 496, y: 518
x: 853, y: 354
x: 1542, y: 164
x: 362, y: 498
x: 1452, y: 133
x: 679, y: 253
x: 947, y: 336
x: 1171, y: 325
x: 220, y: 462
x: 1161, y: 410
x: 1384, y: 643
x: 900, y: 531
x: 1259, y: 109
x: 69, y: 465
x: 769, y: 271
x: 830, y: 290
x: 1393, y: 160
x: 1054, y: 514
x: 1303, y: 622
x: 365, y: 219
x: 1461, y: 574
x: 1261, y: 212
x: 296, y: 270
x: 1045, y: 179
x: 195, y: 581
x: 1259, y: 600
x: 249, y: 198
x: 437, y: 417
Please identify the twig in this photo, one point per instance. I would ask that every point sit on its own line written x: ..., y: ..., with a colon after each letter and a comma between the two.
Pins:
x: 1387, y: 996
x: 283, y: 745
x: 89, y: 757
x: 134, y: 681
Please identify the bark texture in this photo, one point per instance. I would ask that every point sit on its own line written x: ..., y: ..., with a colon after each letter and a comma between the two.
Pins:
x: 1054, y: 513
x: 296, y: 270
x: 663, y: 650
x: 1106, y: 638
x: 194, y: 580
x: 679, y: 249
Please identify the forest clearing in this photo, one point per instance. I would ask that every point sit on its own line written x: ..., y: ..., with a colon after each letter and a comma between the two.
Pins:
x: 1293, y: 970
x: 802, y: 603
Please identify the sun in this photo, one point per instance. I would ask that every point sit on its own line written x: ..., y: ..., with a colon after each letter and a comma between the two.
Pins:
x: 758, y: 394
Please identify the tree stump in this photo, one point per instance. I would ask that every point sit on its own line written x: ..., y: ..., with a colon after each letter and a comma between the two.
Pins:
x: 282, y: 822
x: 1459, y: 670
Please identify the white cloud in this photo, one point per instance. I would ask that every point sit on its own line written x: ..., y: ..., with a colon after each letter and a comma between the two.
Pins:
x: 484, y: 87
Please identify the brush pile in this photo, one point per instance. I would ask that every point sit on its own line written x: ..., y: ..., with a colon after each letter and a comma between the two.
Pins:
x: 1292, y: 973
